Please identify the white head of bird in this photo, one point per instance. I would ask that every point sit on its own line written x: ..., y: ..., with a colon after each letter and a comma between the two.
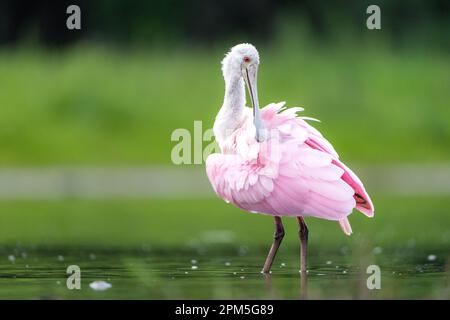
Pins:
x: 239, y: 66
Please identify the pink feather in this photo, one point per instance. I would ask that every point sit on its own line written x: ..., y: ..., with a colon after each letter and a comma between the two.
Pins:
x: 294, y: 172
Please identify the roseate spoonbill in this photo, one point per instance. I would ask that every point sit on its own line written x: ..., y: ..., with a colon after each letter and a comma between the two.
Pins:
x: 273, y: 162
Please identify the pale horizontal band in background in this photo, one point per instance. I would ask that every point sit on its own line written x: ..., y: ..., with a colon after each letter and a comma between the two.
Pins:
x: 190, y: 181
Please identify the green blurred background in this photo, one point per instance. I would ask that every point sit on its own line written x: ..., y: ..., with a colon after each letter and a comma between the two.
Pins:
x: 111, y: 94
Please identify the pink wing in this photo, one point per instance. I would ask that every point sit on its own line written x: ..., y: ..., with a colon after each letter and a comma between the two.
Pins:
x: 295, y: 172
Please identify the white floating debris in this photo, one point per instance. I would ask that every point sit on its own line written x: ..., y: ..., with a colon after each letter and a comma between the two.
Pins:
x: 431, y: 257
x: 186, y: 272
x: 283, y: 264
x: 227, y: 264
x: 193, y: 261
x: 377, y: 250
x: 194, y: 267
x: 344, y: 271
x: 12, y: 258
x: 242, y: 277
x: 100, y: 285
x: 235, y: 273
x: 60, y: 258
x: 329, y: 262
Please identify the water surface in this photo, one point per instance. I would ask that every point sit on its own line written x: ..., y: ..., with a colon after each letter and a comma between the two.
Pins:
x: 231, y: 273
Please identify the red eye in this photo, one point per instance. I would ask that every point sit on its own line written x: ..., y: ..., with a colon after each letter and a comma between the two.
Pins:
x: 246, y: 59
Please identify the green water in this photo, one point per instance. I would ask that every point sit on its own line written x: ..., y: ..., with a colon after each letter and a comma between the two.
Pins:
x: 144, y: 248
x: 144, y: 273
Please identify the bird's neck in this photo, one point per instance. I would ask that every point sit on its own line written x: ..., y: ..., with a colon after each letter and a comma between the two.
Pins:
x: 234, y: 99
x: 231, y: 114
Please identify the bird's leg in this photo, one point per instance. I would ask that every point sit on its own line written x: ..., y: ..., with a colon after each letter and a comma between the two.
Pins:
x: 303, y: 233
x: 278, y: 236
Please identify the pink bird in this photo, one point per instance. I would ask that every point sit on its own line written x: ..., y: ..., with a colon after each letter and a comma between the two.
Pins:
x: 273, y: 162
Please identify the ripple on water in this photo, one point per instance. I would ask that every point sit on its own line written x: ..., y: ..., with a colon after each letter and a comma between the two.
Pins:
x: 153, y: 275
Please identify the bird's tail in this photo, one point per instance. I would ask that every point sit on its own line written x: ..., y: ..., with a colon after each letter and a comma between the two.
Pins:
x: 363, y: 202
